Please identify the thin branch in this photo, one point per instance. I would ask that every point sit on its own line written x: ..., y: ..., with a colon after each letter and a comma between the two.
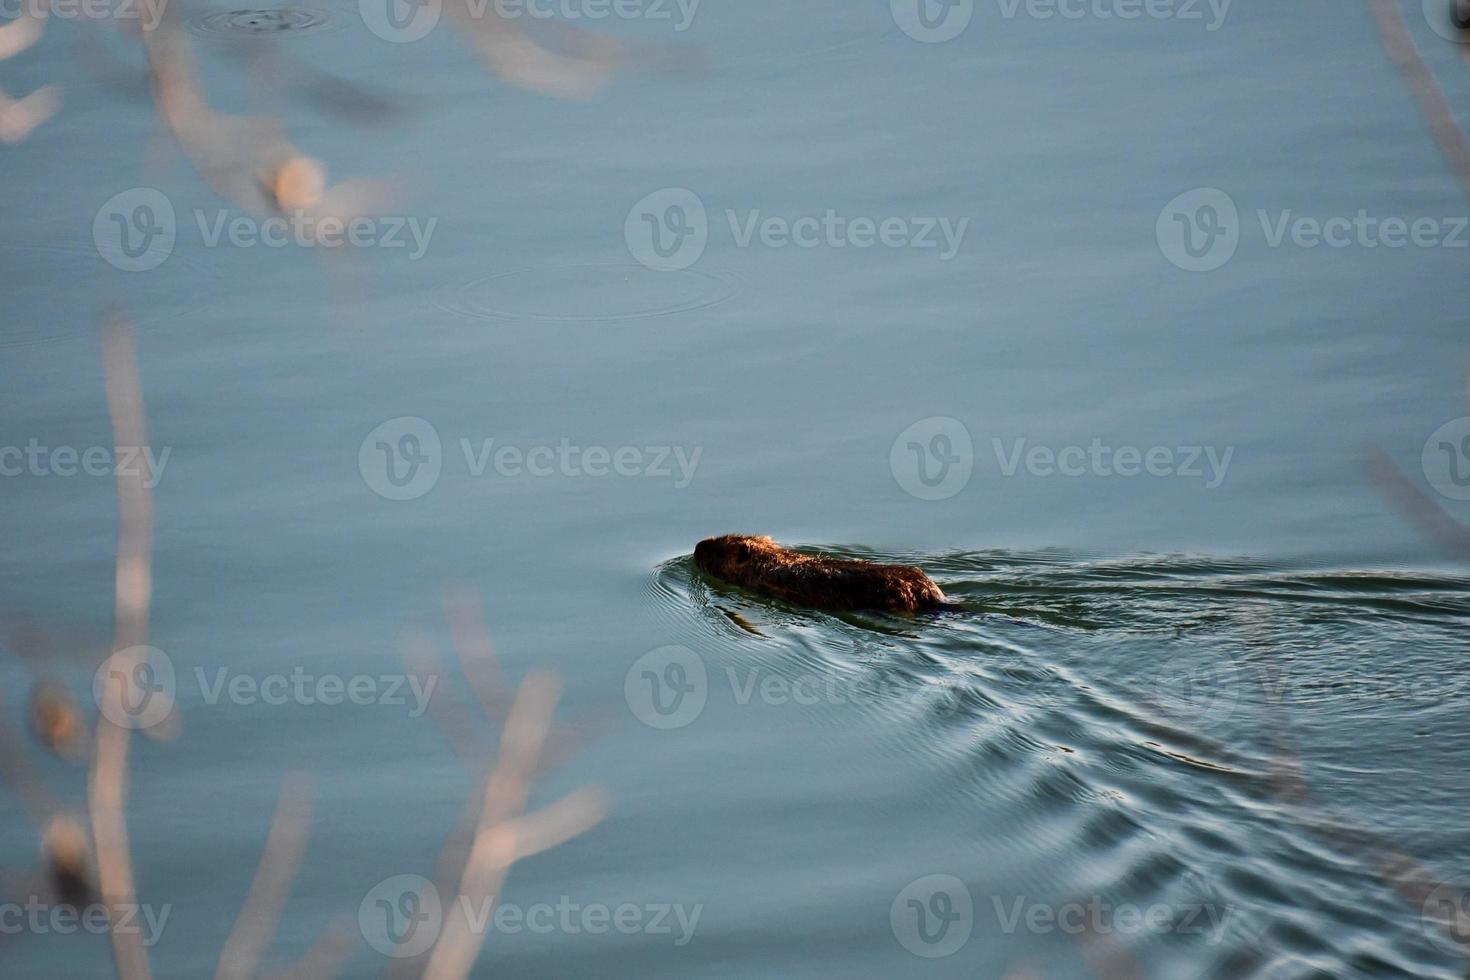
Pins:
x: 107, y: 785
x: 1408, y: 878
x: 1425, y: 88
x: 466, y: 618
x: 325, y: 957
x: 1418, y: 506
x: 284, y: 846
x: 501, y: 837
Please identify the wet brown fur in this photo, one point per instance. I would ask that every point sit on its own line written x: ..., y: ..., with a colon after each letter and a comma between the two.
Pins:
x: 762, y: 565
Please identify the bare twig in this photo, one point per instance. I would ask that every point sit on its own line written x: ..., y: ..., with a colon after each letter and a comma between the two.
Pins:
x: 261, y: 913
x: 1427, y: 92
x: 508, y: 52
x: 325, y: 957
x: 18, y: 117
x: 1418, y: 506
x: 107, y: 790
x: 1411, y: 880
x: 134, y: 577
x: 466, y: 618
x: 504, y: 835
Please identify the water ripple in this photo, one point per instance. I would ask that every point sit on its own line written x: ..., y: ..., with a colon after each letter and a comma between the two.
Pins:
x: 1154, y: 728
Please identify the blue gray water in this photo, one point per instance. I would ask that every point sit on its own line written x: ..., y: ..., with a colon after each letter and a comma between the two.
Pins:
x: 1227, y: 691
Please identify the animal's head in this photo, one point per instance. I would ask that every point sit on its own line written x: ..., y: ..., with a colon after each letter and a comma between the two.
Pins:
x: 728, y: 555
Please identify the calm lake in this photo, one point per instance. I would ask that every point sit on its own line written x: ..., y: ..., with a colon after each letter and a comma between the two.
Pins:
x: 1096, y: 315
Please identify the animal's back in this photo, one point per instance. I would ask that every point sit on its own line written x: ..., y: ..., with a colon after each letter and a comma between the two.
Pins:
x: 758, y: 563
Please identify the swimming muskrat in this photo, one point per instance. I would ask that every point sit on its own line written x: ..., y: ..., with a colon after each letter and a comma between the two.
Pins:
x: 840, y: 584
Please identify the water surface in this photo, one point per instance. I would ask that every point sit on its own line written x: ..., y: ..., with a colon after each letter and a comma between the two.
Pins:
x: 1232, y: 703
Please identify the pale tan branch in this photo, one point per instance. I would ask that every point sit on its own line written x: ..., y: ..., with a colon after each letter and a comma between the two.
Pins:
x: 260, y: 915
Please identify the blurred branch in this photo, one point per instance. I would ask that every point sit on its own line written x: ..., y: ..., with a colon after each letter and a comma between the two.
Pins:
x: 1417, y: 505
x: 107, y: 791
x: 261, y: 913
x: 18, y: 117
x: 1409, y: 879
x: 323, y: 959
x: 504, y: 834
x: 1426, y: 90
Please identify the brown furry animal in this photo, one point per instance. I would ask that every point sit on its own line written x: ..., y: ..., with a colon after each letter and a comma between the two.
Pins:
x: 762, y: 565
